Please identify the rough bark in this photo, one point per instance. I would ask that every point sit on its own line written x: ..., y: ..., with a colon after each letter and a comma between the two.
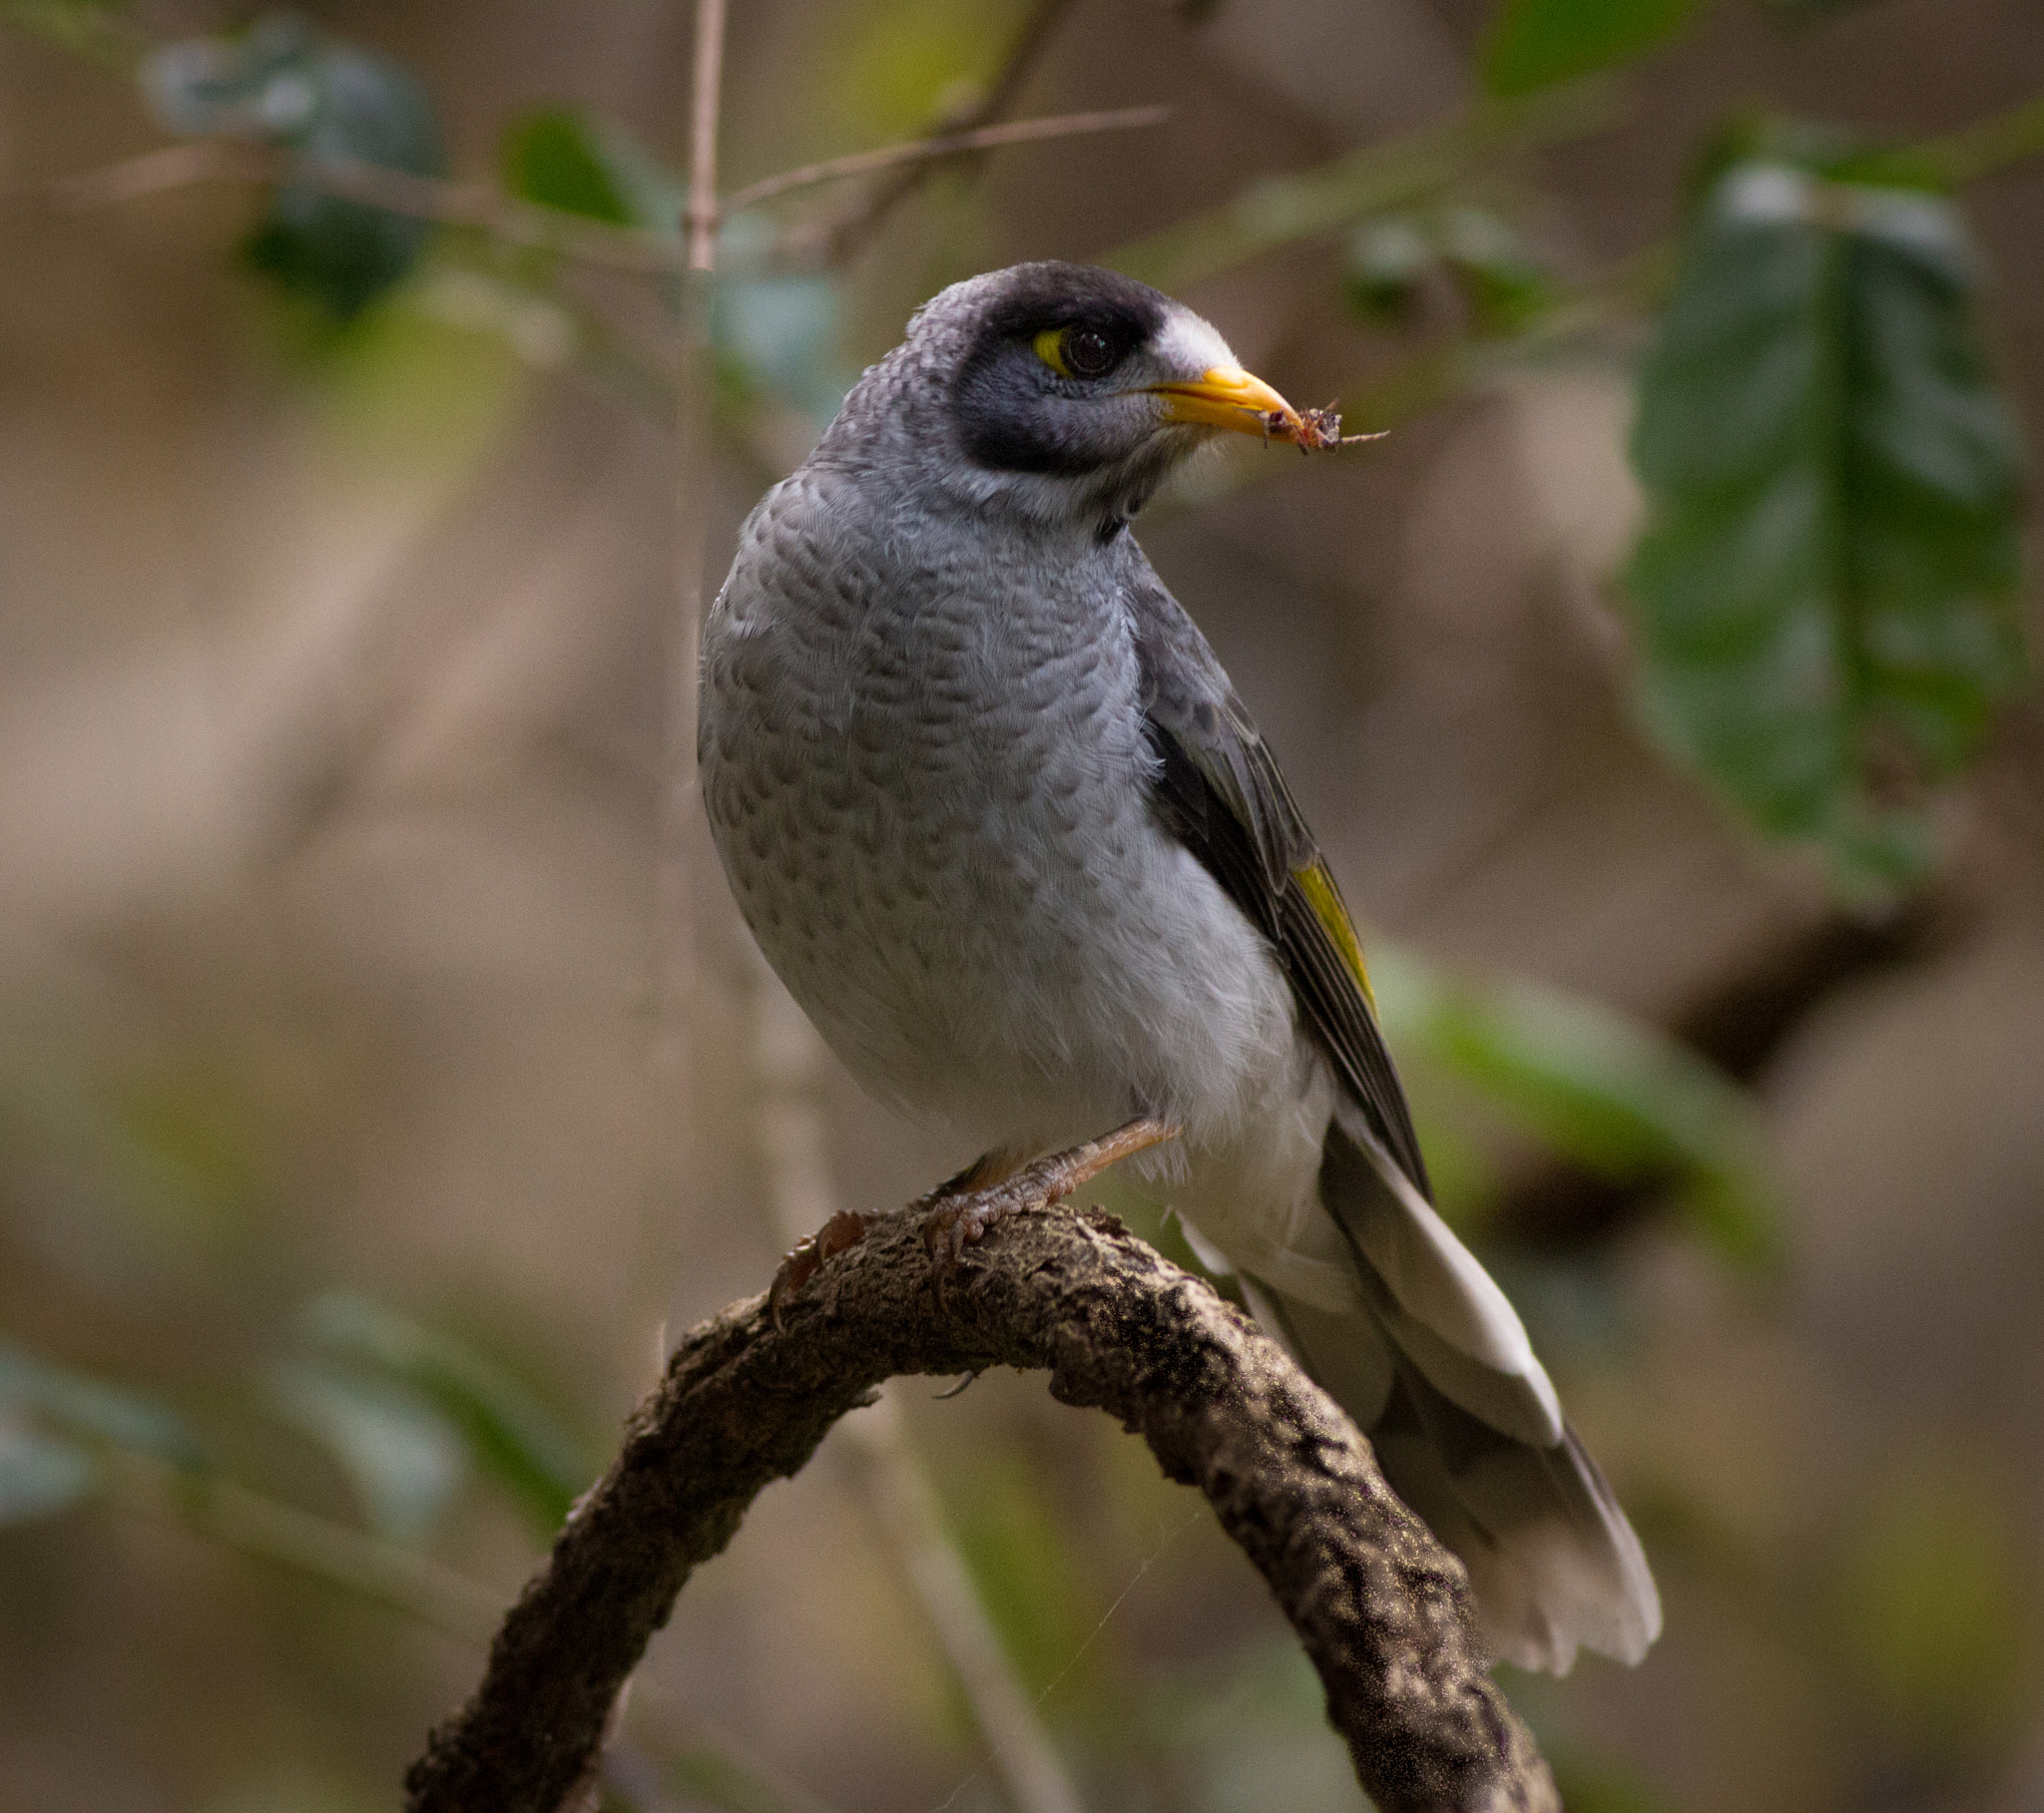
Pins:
x: 1381, y: 1607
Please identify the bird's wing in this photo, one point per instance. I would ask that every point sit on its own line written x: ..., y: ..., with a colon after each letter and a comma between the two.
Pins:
x: 1222, y: 795
x: 1435, y: 1364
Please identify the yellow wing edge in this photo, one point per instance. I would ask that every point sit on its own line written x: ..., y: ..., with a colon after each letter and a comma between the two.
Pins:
x: 1317, y: 885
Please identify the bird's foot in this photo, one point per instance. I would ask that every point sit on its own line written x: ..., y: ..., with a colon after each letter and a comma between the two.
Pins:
x: 845, y: 1229
x: 963, y: 1210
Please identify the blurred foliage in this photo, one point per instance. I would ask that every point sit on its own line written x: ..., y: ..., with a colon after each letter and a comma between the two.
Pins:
x: 1937, y: 1602
x: 774, y: 334
x: 56, y: 1424
x: 892, y: 66
x: 566, y: 157
x: 510, y: 1435
x: 402, y: 1457
x: 1251, y: 1736
x: 1607, y: 1093
x: 90, y: 1410
x: 1595, y: 1785
x: 281, y: 82
x: 1503, y: 286
x: 86, y: 28
x: 1830, y: 584
x: 1532, y: 43
x: 708, y: 1777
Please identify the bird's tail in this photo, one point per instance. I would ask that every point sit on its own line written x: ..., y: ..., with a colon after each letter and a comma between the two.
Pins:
x: 1436, y: 1368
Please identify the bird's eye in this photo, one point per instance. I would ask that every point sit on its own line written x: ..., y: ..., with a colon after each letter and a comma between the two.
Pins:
x: 1077, y: 352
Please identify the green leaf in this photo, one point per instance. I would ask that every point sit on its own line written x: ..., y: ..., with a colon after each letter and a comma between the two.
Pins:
x: 87, y: 1407
x: 582, y: 164
x: 39, y: 1476
x: 1828, y: 586
x: 284, y: 83
x: 405, y: 1458
x: 1532, y: 43
x: 1611, y: 1093
x: 511, y: 1436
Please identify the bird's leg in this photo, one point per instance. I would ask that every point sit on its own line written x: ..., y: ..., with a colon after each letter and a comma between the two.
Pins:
x: 960, y: 1216
x: 989, y: 1168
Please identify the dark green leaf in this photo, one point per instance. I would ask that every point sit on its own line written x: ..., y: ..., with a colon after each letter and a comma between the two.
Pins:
x: 39, y: 1476
x: 403, y: 1456
x: 1532, y: 43
x: 87, y: 1407
x: 510, y: 1434
x: 1827, y: 587
x: 281, y: 82
x: 580, y: 164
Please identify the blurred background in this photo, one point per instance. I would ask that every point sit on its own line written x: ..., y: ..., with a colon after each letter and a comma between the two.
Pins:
x: 386, y: 1080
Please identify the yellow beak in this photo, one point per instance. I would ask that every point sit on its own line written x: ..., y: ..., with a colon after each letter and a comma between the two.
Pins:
x: 1228, y: 397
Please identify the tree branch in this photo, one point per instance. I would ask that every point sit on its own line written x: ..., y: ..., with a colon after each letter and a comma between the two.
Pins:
x: 1381, y: 1607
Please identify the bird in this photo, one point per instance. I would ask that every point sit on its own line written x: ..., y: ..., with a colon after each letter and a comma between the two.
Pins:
x: 1000, y: 822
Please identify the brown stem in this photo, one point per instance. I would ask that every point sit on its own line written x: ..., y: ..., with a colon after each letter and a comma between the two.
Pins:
x: 944, y: 144
x: 843, y: 237
x: 1381, y: 1607
x: 503, y: 217
x: 702, y: 117
x: 399, y: 191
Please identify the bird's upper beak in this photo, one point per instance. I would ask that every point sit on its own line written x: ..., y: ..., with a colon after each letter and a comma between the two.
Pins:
x: 1228, y: 397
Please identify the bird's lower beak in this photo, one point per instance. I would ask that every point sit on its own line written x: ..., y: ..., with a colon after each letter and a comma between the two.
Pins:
x: 1228, y: 397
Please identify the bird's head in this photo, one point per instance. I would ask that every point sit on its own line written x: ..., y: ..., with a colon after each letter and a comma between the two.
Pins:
x: 1062, y: 392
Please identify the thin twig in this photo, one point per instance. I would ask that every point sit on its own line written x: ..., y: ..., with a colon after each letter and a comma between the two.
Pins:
x: 399, y: 191
x: 843, y: 237
x: 944, y: 144
x: 1396, y: 172
x: 703, y: 111
x: 1981, y: 148
x: 517, y: 223
x: 678, y: 840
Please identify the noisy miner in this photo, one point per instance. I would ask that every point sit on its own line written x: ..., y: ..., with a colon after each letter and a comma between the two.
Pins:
x: 999, y: 821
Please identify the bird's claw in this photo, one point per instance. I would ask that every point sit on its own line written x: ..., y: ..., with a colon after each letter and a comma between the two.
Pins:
x: 956, y: 1222
x: 845, y: 1229
x: 959, y: 1217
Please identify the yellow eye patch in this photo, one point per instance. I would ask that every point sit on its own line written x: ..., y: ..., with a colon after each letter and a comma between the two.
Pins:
x: 1050, y: 349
